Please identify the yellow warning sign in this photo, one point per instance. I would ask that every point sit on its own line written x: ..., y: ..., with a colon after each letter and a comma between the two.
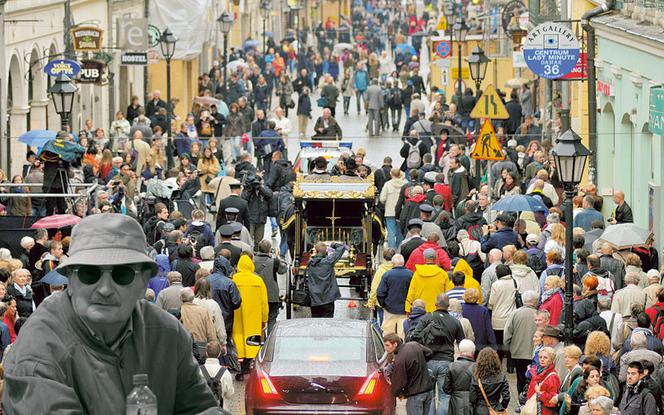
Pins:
x: 442, y: 23
x: 487, y: 146
x: 489, y: 105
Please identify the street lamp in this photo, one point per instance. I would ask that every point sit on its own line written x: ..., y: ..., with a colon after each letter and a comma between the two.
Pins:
x: 62, y: 93
x: 460, y: 30
x: 167, y: 43
x: 478, y: 62
x: 570, y: 156
x: 265, y: 14
x: 296, y: 7
x: 225, y: 22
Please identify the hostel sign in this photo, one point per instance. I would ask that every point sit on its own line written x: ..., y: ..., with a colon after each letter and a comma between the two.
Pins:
x: 656, y: 118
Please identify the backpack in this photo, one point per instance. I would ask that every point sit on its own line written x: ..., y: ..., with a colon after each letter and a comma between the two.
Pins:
x: 535, y: 263
x: 414, y: 159
x: 134, y: 156
x: 475, y: 262
x: 196, y: 234
x: 435, y: 332
x: 395, y: 100
x: 475, y: 232
x: 214, y: 383
x: 658, y: 326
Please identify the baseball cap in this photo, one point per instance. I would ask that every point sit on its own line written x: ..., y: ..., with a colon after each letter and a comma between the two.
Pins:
x: 532, y: 238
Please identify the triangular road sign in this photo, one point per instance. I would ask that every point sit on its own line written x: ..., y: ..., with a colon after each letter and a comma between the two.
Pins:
x: 489, y: 105
x: 487, y: 146
x: 442, y: 23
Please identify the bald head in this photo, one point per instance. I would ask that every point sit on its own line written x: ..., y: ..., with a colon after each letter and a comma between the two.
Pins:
x: 495, y: 256
x: 398, y: 260
x: 419, y: 304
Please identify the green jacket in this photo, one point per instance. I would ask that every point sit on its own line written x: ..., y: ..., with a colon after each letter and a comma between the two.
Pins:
x: 57, y: 365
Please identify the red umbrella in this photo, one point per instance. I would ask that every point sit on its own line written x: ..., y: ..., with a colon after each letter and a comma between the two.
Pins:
x: 56, y: 221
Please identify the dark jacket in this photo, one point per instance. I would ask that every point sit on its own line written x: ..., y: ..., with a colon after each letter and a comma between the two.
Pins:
x: 65, y: 369
x: 257, y: 127
x: 152, y: 107
x: 438, y: 331
x: 637, y: 401
x: 411, y: 210
x: 188, y: 270
x: 468, y: 220
x: 497, y: 391
x: 480, y: 319
x: 459, y: 184
x: 393, y: 290
x: 261, y: 93
x: 304, y: 105
x: 268, y: 267
x: 258, y: 200
x: 514, y: 121
x: 236, y: 251
x: 586, y: 320
x: 238, y: 203
x: 405, y: 149
x: 224, y: 292
x: 409, y: 324
x: 24, y: 302
x: 280, y: 174
x: 332, y: 132
x: 322, y: 278
x: 410, y: 375
x: 499, y: 239
x: 410, y: 245
x: 457, y: 382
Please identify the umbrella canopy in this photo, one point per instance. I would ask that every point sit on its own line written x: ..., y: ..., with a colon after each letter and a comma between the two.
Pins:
x: 56, y: 221
x: 516, y: 82
x: 251, y: 43
x: 37, y: 138
x: 625, y: 235
x: 234, y: 65
x: 54, y: 278
x: 520, y: 203
x: 342, y: 46
x: 405, y: 48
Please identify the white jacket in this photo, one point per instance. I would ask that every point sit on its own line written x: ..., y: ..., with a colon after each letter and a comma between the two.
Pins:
x: 526, y: 279
x: 389, y: 195
x: 501, y: 302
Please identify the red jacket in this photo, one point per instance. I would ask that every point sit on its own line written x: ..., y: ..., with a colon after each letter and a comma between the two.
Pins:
x: 446, y: 192
x: 554, y: 305
x: 549, y: 384
x: 652, y: 311
x: 417, y: 257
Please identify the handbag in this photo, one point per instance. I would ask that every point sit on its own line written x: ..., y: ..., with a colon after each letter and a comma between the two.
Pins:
x: 531, y: 406
x: 322, y: 102
x: 301, y: 294
x: 486, y: 399
x: 518, y: 301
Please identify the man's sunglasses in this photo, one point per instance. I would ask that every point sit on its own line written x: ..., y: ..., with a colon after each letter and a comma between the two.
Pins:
x: 121, y: 274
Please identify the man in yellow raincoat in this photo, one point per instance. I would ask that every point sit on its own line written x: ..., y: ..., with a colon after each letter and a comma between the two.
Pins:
x: 428, y: 281
x: 470, y: 282
x: 250, y: 319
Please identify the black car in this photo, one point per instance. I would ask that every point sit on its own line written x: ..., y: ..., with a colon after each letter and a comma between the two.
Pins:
x: 320, y: 366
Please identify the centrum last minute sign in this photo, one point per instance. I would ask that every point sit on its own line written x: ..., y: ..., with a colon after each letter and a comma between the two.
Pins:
x: 656, y: 119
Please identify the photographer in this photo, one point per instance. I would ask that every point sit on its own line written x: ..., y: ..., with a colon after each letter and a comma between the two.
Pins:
x: 258, y: 198
x: 122, y: 189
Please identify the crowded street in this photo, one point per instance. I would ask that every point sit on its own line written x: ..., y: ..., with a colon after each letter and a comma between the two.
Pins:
x: 398, y: 207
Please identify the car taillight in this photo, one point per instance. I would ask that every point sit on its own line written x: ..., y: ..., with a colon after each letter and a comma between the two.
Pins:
x: 370, y: 386
x: 266, y: 386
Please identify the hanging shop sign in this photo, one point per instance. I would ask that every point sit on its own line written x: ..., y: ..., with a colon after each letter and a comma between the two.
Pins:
x: 656, y: 113
x: 551, y: 50
x: 580, y: 71
x: 91, y: 71
x: 65, y: 66
x: 87, y: 38
x: 134, y: 58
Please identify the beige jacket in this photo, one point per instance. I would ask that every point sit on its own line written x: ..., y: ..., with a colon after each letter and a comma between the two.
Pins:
x: 625, y: 297
x: 389, y: 195
x: 196, y: 319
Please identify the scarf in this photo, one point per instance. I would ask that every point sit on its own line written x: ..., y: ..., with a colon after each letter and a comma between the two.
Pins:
x: 549, y: 293
x: 510, y: 187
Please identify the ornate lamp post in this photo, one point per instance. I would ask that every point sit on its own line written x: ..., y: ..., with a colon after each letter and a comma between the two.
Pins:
x: 460, y: 30
x: 570, y: 156
x: 225, y: 22
x: 62, y: 94
x: 265, y: 14
x: 478, y: 63
x: 167, y: 43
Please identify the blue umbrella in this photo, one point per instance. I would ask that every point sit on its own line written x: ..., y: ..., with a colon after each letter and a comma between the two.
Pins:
x: 54, y: 278
x: 37, y: 138
x: 405, y: 48
x: 520, y: 203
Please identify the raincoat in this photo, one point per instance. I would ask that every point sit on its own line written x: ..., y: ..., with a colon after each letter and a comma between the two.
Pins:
x: 252, y: 314
x: 470, y: 282
x: 428, y: 281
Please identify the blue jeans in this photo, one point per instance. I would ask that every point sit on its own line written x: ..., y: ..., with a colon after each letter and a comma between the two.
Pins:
x: 419, y: 404
x: 438, y: 369
x: 394, y: 236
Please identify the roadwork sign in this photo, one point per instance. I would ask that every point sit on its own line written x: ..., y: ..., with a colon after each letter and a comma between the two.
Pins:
x: 487, y: 146
x: 489, y: 105
x: 442, y: 23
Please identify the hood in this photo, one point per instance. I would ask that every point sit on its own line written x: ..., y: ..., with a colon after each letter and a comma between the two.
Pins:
x: 163, y: 263
x: 520, y: 271
x: 222, y: 266
x: 584, y: 309
x: 417, y: 312
x: 396, y: 184
x: 428, y: 270
x: 385, y: 266
x: 463, y: 266
x: 474, y: 218
x: 245, y: 264
x: 283, y: 163
x: 417, y: 199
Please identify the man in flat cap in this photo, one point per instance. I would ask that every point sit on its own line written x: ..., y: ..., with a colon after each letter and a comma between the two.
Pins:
x: 80, y: 349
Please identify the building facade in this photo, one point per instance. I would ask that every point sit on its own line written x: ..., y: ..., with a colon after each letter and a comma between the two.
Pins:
x: 630, y: 157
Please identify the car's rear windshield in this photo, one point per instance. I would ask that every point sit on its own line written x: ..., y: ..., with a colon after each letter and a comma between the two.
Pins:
x: 322, y: 349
